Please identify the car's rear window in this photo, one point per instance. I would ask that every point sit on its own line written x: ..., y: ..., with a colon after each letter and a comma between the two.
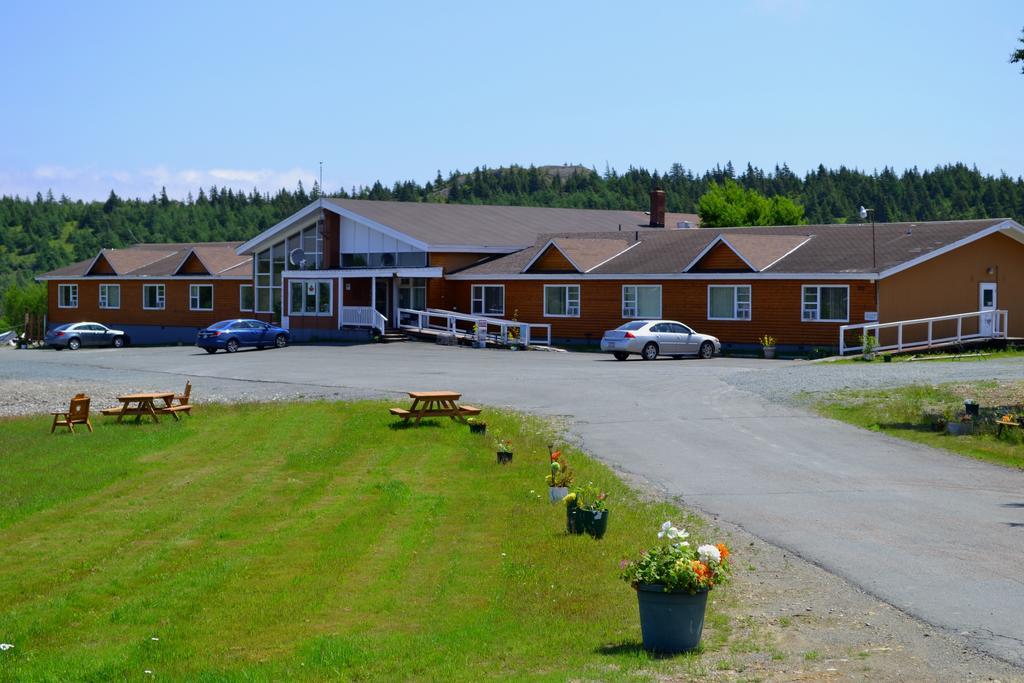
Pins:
x: 222, y: 325
x: 635, y: 325
x: 63, y: 327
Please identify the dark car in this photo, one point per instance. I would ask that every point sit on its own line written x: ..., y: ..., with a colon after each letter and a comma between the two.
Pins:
x: 76, y: 335
x: 232, y: 335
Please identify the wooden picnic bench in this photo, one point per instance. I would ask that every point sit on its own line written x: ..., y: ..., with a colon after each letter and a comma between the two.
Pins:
x: 142, y: 404
x: 1006, y: 421
x: 435, y: 404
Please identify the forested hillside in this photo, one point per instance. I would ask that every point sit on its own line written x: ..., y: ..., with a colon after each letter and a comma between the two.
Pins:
x: 42, y: 233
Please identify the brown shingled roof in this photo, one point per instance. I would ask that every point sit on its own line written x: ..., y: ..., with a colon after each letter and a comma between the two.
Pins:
x: 586, y: 254
x: 163, y: 260
x: 761, y: 251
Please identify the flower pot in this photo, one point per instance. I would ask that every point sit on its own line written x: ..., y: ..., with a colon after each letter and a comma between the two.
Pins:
x: 478, y: 427
x: 557, y: 493
x: 670, y: 622
x: 972, y: 407
x: 504, y: 457
x: 595, y: 522
x: 574, y: 519
x: 769, y: 352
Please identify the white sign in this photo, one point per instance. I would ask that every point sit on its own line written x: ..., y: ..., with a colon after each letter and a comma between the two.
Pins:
x: 871, y: 316
x: 311, y: 288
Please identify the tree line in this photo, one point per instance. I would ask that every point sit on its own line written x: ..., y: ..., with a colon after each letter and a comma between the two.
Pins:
x: 44, y: 232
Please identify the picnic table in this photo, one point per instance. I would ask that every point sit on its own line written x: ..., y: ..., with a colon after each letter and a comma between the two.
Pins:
x: 435, y: 404
x: 142, y: 404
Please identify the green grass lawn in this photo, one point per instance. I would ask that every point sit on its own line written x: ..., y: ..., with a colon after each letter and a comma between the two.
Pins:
x: 898, y: 412
x: 946, y: 355
x: 312, y: 541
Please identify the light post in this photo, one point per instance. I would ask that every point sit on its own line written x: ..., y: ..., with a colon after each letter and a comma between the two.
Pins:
x: 864, y: 213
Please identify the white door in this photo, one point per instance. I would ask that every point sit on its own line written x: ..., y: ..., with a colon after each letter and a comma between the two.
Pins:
x: 987, y: 302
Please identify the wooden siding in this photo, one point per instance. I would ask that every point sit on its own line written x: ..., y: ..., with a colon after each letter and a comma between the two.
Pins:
x: 102, y: 267
x: 949, y: 284
x: 193, y: 266
x: 720, y: 259
x: 776, y: 308
x: 358, y: 292
x: 226, y: 301
x: 332, y: 240
x: 552, y: 261
x: 449, y: 262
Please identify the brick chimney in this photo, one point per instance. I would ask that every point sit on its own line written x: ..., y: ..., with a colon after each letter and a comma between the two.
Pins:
x: 658, y: 208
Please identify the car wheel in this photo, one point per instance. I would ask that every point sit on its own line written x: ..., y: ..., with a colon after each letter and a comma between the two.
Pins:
x: 620, y: 355
x: 280, y: 341
x: 231, y: 346
x: 118, y: 342
x: 74, y: 344
x: 208, y: 350
x: 650, y: 351
x: 707, y: 349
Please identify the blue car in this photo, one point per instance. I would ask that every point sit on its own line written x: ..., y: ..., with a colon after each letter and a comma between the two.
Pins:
x: 232, y: 335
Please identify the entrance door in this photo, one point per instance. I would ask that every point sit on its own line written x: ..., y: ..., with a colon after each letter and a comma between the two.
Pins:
x: 383, y: 299
x: 987, y: 302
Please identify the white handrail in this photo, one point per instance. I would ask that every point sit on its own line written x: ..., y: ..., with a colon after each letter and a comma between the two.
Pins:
x: 363, y: 316
x: 425, y: 320
x: 999, y: 324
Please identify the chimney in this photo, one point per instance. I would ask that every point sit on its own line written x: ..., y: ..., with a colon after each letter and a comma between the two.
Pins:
x: 658, y: 208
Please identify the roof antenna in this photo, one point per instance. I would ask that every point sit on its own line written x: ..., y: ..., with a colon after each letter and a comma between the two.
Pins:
x: 620, y: 227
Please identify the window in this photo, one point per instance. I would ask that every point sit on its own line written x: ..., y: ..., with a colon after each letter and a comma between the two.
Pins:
x: 488, y: 300
x: 67, y: 296
x: 412, y: 293
x: 263, y: 282
x: 310, y: 297
x: 826, y: 303
x: 245, y: 297
x: 153, y: 297
x: 385, y: 259
x: 562, y: 301
x: 728, y: 302
x: 200, y: 297
x: 110, y: 296
x: 641, y: 301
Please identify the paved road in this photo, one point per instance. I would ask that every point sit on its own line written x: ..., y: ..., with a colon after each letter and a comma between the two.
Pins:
x: 936, y: 535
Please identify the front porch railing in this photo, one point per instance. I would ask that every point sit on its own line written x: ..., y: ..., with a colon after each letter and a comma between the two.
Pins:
x: 363, y: 316
x: 991, y: 324
x: 477, y: 326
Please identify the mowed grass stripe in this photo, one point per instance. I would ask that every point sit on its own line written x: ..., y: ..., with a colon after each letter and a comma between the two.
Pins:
x: 316, y: 541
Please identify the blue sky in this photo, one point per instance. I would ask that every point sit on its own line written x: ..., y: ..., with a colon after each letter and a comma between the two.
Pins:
x: 132, y: 96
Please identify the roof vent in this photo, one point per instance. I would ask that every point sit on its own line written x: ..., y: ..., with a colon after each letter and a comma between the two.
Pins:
x: 684, y: 225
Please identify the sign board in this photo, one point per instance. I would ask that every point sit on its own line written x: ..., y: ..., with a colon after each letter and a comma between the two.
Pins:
x: 311, y: 288
x: 871, y: 316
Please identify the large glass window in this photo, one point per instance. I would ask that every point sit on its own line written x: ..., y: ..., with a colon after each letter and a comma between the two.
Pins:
x: 562, y: 301
x: 153, y: 297
x: 200, y: 297
x: 385, y: 259
x: 312, y: 244
x: 488, y: 299
x: 728, y: 302
x: 263, y: 281
x: 641, y: 301
x: 412, y: 293
x: 67, y: 296
x: 310, y: 297
x: 245, y: 297
x: 110, y: 296
x: 826, y: 303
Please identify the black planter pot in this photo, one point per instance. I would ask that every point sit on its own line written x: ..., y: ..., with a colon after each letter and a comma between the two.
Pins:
x: 477, y: 428
x: 504, y: 457
x: 670, y: 622
x: 972, y: 408
x: 574, y: 522
x: 595, y: 522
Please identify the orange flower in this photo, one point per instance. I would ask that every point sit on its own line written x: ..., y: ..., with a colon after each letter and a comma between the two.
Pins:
x: 556, y: 455
x: 722, y: 549
x: 700, y: 569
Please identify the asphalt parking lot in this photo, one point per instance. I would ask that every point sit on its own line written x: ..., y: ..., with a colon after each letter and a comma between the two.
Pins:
x: 938, y: 536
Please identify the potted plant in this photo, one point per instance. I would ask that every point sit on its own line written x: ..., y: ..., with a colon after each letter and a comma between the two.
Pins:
x: 586, y: 510
x: 504, y: 451
x: 672, y: 581
x: 868, y: 344
x: 560, y: 478
x: 768, y: 345
x: 477, y: 426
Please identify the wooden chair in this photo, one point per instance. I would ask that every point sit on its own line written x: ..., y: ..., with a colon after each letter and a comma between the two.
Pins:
x: 180, y: 404
x: 77, y: 413
x: 183, y: 399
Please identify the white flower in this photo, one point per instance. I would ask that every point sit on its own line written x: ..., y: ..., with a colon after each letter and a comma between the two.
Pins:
x: 709, y: 554
x: 6, y: 646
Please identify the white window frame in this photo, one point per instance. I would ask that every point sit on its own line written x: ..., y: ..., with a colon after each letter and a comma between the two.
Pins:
x: 817, y: 304
x: 634, y: 312
x: 193, y: 297
x: 104, y: 296
x: 263, y: 281
x: 474, y: 299
x: 316, y: 284
x: 736, y: 303
x: 252, y: 296
x: 161, y: 297
x: 72, y: 296
x: 568, y: 301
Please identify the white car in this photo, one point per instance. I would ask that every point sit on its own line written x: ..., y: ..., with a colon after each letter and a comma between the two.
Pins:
x: 76, y: 335
x: 652, y: 338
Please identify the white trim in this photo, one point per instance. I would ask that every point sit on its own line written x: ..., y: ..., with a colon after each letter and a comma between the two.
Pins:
x: 622, y: 302
x: 711, y: 245
x: 154, y: 308
x: 476, y: 248
x: 224, y: 270
x: 96, y: 258
x: 253, y: 288
x: 543, y: 250
x: 427, y: 271
x: 99, y: 296
x: 822, y: 320
x: 483, y: 300
x: 303, y: 282
x: 1007, y: 227
x: 786, y: 254
x: 613, y: 257
x: 191, y: 251
x: 74, y: 298
x: 579, y: 300
x: 662, y: 276
x: 148, y: 278
x: 190, y: 286
x: 735, y: 301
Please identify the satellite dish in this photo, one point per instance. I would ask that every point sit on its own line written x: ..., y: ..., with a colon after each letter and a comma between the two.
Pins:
x: 863, y: 213
x: 297, y: 257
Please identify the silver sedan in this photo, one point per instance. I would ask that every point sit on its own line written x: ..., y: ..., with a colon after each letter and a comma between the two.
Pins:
x: 653, y: 338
